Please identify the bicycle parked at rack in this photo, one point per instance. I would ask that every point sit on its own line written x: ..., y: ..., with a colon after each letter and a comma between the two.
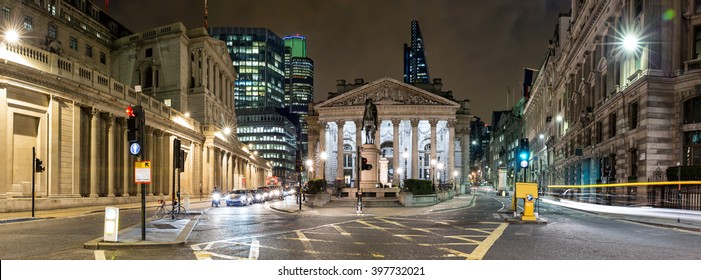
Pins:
x: 177, y: 212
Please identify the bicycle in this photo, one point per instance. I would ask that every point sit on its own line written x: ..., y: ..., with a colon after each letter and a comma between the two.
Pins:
x: 178, y: 212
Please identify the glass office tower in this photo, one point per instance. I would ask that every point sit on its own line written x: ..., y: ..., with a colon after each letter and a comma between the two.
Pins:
x: 257, y: 55
x: 415, y: 65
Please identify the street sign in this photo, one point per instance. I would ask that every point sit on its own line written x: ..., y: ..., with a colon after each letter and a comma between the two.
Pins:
x: 135, y: 148
x: 142, y: 172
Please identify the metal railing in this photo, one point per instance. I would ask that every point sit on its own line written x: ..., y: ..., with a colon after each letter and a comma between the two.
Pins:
x: 684, y: 195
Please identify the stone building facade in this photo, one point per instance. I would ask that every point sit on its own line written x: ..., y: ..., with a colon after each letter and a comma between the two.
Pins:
x: 415, y: 126
x: 617, y: 96
x: 64, y: 87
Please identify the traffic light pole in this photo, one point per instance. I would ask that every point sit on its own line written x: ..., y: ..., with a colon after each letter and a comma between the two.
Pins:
x: 359, y: 193
x: 34, y: 174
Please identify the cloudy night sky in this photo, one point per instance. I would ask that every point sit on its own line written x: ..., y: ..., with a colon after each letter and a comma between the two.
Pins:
x: 478, y: 48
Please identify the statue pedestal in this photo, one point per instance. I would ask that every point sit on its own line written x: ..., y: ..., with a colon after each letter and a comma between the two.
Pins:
x: 368, y: 178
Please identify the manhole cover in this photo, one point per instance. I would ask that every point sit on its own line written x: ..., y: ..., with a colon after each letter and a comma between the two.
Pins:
x: 163, y: 226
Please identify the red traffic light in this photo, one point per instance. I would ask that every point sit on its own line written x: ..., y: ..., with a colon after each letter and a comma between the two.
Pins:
x: 130, y: 112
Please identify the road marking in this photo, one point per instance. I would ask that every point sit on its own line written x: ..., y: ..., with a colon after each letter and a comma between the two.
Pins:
x: 201, y: 255
x: 305, y: 241
x: 100, y: 255
x: 482, y: 249
x: 255, y: 247
x: 371, y: 225
x: 464, y: 238
x: 339, y: 229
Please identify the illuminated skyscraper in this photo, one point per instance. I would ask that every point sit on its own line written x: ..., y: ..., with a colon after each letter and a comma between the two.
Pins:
x: 415, y: 65
x: 299, y: 82
x: 257, y: 55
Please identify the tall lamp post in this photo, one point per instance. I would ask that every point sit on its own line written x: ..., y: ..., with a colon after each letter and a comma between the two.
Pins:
x: 439, y: 165
x: 399, y: 173
x: 310, y: 168
x: 324, y: 156
x: 406, y: 156
x: 455, y: 180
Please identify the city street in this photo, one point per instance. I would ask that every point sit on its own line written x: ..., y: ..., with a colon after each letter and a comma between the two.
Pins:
x: 466, y: 232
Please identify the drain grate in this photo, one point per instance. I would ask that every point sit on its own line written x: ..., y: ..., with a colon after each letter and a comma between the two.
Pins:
x: 163, y: 226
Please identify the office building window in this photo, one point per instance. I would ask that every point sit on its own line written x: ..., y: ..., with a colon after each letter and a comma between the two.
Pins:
x: 28, y: 23
x: 149, y: 52
x: 52, y: 31
x: 74, y: 43
x: 599, y: 132
x: 103, y: 58
x: 88, y: 50
x: 6, y: 13
x: 633, y: 115
x: 612, y: 125
x: 692, y: 110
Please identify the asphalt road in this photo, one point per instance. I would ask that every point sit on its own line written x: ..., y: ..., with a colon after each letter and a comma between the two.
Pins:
x: 477, y: 232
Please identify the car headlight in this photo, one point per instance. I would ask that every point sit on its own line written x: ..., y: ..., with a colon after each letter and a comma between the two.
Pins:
x: 265, y: 194
x: 276, y: 192
x: 258, y: 196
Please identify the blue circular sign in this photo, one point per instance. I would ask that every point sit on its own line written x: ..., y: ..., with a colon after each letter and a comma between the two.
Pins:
x: 135, y: 148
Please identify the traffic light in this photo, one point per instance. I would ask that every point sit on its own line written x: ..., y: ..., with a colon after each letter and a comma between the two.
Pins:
x: 38, y: 165
x: 524, y: 153
x: 365, y: 165
x: 135, y: 118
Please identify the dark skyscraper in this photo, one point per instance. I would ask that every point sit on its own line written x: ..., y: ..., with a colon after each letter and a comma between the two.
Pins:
x: 415, y: 65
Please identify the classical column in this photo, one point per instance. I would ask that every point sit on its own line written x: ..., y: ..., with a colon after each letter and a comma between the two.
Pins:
x: 210, y: 177
x: 339, y: 161
x: 94, y: 116
x: 378, y: 134
x: 126, y: 160
x: 149, y: 155
x: 54, y: 156
x: 76, y: 147
x: 434, y: 170
x: 451, y: 150
x: 157, y: 163
x: 414, y: 148
x: 396, y: 153
x: 111, y: 165
x: 322, y: 148
x: 358, y: 144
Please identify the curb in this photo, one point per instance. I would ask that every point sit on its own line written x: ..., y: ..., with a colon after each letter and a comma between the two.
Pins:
x: 99, y: 244
x: 686, y: 228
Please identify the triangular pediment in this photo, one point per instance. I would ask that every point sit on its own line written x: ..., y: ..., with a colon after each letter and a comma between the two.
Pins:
x: 387, y: 91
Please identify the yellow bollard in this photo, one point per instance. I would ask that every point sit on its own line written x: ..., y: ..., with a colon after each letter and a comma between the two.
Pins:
x: 528, y: 213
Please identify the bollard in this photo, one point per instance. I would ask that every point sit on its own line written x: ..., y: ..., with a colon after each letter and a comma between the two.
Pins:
x: 111, y: 224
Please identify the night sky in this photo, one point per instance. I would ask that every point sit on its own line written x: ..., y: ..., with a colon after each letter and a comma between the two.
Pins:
x: 478, y: 48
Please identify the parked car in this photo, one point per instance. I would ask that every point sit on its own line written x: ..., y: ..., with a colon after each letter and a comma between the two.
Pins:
x: 239, y: 197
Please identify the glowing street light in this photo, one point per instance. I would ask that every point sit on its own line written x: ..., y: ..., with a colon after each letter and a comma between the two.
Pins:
x: 227, y: 131
x: 11, y: 36
x: 310, y: 165
x: 630, y: 42
x: 558, y: 118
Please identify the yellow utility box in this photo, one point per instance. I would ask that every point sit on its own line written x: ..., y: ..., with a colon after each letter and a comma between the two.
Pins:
x: 529, y: 192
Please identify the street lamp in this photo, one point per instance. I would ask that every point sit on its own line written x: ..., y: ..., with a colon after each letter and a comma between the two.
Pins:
x: 11, y: 36
x: 455, y: 179
x: 310, y: 168
x: 324, y: 156
x: 440, y: 170
x: 406, y: 156
x: 399, y: 173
